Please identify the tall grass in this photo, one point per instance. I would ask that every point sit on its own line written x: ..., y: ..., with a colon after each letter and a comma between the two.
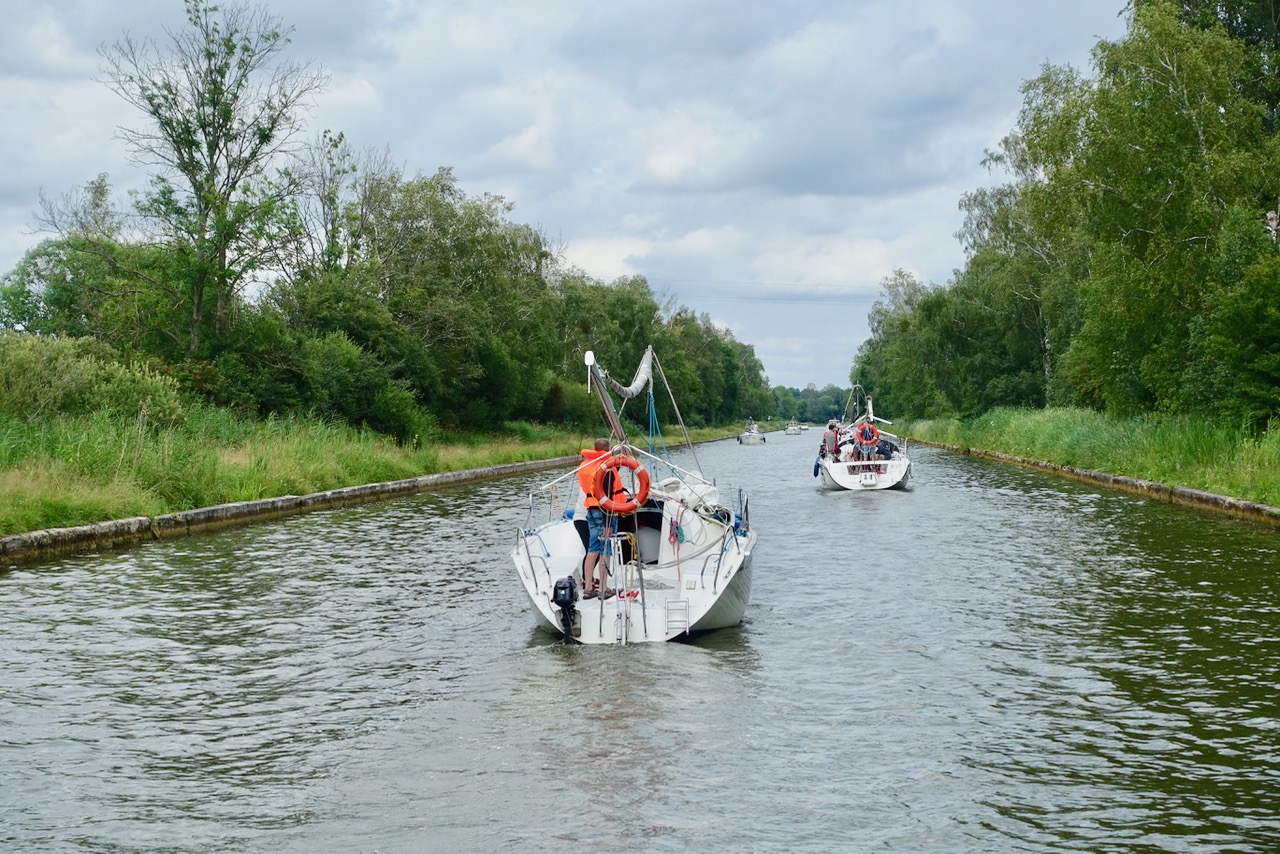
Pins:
x: 1178, y: 451
x: 77, y: 470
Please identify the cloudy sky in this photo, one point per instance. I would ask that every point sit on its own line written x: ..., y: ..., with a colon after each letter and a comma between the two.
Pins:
x: 767, y: 162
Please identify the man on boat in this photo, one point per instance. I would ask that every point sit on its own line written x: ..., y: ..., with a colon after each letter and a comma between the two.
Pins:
x: 868, y: 440
x: 831, y: 441
x: 593, y: 458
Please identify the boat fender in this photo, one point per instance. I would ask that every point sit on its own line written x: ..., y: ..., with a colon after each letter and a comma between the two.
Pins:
x: 621, y: 506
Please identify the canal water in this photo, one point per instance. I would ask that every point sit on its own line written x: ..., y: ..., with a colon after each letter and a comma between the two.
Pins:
x: 994, y: 660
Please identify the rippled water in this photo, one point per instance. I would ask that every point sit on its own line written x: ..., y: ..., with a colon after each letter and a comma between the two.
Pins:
x: 994, y: 660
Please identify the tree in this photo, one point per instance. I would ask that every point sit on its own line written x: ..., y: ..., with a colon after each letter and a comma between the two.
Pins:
x: 890, y: 365
x: 1256, y: 23
x: 1027, y: 239
x: 224, y: 106
x: 91, y: 280
x: 1170, y: 144
x: 451, y: 269
x: 1235, y: 353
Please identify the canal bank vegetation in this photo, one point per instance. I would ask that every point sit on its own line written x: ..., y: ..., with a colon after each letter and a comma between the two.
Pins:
x: 85, y: 438
x: 1119, y: 305
x: 1177, y: 451
x: 67, y: 471
x: 277, y: 313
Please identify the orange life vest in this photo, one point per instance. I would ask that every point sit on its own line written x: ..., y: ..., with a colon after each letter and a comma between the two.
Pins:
x: 587, y: 473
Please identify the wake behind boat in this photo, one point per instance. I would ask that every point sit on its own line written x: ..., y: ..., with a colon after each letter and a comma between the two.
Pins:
x: 858, y: 454
x: 678, y: 558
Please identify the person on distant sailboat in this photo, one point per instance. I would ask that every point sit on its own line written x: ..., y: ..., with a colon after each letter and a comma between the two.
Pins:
x: 830, y: 447
x: 868, y: 436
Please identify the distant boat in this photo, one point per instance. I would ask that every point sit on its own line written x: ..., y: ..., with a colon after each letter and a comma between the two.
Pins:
x: 888, y: 467
x: 679, y: 561
x: 752, y: 435
x: 793, y: 428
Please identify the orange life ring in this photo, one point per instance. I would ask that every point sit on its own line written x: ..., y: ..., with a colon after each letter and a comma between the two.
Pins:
x: 609, y: 503
x: 875, y: 434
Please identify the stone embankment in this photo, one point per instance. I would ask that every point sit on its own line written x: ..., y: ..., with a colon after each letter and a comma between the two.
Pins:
x: 1239, y: 508
x: 52, y: 542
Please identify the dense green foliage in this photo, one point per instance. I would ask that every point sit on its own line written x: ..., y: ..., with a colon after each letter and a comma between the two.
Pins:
x: 1127, y: 265
x: 810, y: 405
x: 276, y: 278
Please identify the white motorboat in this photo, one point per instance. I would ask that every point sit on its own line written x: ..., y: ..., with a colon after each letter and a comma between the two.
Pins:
x: 866, y: 456
x: 752, y: 435
x: 793, y: 428
x: 679, y: 560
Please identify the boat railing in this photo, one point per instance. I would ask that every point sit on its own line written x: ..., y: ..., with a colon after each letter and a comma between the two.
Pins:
x: 523, y: 537
x: 725, y: 539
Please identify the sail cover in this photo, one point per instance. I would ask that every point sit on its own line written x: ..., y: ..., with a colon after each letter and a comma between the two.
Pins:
x: 643, y: 375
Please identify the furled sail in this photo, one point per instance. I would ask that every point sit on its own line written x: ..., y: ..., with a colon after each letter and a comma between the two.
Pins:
x: 644, y: 374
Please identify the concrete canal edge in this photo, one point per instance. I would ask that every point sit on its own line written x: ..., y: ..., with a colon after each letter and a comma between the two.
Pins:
x: 1251, y: 510
x: 54, y: 542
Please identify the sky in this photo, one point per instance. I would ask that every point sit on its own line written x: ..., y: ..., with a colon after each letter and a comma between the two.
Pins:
x: 764, y: 162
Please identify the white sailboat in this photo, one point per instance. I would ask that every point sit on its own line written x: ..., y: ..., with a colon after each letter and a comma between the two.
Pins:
x: 679, y: 560
x: 793, y: 428
x: 865, y: 456
x: 752, y: 435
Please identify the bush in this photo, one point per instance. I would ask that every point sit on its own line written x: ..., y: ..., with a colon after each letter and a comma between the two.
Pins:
x: 396, y: 413
x: 46, y: 376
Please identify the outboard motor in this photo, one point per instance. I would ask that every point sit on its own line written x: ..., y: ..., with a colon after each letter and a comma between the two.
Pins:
x: 563, y: 595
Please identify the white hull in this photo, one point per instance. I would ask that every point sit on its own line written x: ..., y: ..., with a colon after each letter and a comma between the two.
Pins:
x: 875, y: 474
x: 751, y: 439
x: 699, y: 583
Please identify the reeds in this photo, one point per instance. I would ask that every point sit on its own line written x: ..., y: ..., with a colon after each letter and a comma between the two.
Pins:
x: 1174, y: 450
x: 78, y: 470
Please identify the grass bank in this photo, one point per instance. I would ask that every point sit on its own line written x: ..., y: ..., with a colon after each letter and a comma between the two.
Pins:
x: 70, y: 471
x: 1177, y: 451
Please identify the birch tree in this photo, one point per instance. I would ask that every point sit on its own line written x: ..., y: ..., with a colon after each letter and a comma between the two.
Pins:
x: 223, y: 107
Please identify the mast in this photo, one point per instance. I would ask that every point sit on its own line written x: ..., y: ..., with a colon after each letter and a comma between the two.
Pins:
x: 644, y: 375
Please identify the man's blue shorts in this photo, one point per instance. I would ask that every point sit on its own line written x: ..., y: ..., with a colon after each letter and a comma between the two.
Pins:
x: 595, y: 530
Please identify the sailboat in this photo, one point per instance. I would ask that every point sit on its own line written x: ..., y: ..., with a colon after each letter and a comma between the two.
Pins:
x: 866, y: 456
x: 751, y: 435
x: 679, y: 554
